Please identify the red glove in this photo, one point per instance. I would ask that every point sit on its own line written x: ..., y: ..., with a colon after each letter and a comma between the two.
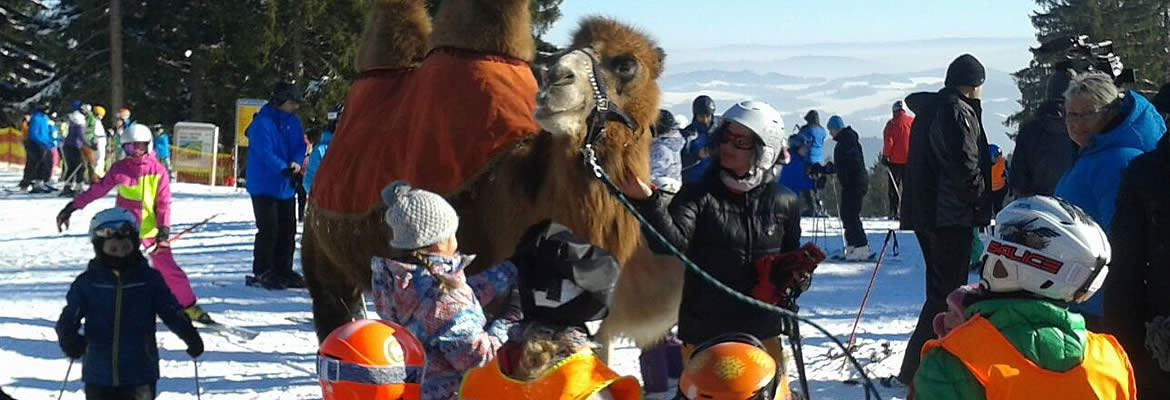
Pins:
x: 783, y: 277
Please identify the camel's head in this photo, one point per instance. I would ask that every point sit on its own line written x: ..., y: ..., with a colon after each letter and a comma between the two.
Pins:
x: 609, y: 58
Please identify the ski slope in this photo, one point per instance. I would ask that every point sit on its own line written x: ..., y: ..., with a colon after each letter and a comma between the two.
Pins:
x: 37, y: 264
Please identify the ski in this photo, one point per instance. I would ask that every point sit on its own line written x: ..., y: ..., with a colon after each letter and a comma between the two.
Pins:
x: 841, y: 258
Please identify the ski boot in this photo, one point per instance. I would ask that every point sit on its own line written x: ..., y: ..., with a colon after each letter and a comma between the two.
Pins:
x: 266, y: 280
x: 293, y: 280
x: 196, y: 314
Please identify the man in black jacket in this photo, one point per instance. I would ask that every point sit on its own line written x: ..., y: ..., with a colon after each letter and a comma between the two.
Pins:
x: 854, y: 180
x: 947, y: 190
x: 1043, y: 150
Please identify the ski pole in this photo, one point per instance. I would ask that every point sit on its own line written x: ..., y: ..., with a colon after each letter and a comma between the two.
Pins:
x: 864, y: 299
x: 66, y: 381
x: 196, y: 364
x: 183, y: 232
x: 798, y: 352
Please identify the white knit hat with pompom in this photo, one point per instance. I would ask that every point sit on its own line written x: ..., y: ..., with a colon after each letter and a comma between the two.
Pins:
x: 417, y: 217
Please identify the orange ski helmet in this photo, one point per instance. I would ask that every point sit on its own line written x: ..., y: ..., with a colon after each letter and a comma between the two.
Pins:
x: 371, y: 360
x: 730, y: 367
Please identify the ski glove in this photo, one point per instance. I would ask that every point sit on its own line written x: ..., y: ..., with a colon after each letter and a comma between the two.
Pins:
x: 63, y: 217
x: 163, y: 238
x: 73, y: 348
x: 783, y: 277
x: 195, y: 348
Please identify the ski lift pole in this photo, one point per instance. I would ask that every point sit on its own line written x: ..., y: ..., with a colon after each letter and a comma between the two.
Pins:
x: 65, y: 382
x: 864, y: 299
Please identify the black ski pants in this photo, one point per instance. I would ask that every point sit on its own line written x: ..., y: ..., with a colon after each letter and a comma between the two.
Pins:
x: 947, y: 253
x: 137, y: 392
x: 851, y: 217
x: 276, y: 224
x: 38, y: 164
x: 74, y: 166
x: 897, y: 171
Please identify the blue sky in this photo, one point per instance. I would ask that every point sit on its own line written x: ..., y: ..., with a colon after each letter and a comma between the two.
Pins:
x: 690, y: 24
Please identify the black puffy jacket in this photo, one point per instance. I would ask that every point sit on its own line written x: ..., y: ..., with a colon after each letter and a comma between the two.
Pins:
x: 1139, y: 274
x: 948, y: 174
x: 850, y: 162
x: 1043, y: 152
x: 724, y: 233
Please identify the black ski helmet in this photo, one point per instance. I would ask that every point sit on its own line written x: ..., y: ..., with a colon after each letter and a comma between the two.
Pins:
x: 703, y: 105
x: 665, y: 123
x: 1162, y: 100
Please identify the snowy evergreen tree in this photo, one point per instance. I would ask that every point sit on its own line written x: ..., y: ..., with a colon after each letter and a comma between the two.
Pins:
x: 28, y: 48
x: 1137, y: 28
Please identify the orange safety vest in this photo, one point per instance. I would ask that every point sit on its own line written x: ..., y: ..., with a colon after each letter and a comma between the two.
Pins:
x: 1006, y: 374
x: 574, y: 378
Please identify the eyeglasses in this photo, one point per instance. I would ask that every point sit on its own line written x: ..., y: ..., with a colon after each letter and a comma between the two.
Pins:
x: 742, y: 142
x: 116, y: 230
x: 1082, y: 116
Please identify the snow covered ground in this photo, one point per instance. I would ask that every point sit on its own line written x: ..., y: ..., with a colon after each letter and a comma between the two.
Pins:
x: 37, y: 264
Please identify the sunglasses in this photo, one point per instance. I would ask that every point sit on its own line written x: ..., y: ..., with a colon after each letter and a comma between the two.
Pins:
x: 116, y: 230
x: 741, y: 142
x: 134, y: 148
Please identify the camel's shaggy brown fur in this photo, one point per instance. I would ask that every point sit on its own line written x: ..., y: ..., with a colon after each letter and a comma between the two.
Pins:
x: 397, y: 35
x: 487, y: 26
x: 538, y: 178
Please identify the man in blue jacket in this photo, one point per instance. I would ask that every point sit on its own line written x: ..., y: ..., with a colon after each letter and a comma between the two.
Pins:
x: 1111, y: 128
x: 275, y: 152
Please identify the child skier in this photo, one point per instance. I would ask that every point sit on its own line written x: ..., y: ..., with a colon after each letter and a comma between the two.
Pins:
x: 423, y: 288
x: 119, y: 296
x: 564, y: 283
x: 1013, y: 336
x: 162, y: 150
x: 144, y: 188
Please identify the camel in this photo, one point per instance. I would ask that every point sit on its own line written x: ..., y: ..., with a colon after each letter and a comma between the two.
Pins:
x: 453, y: 107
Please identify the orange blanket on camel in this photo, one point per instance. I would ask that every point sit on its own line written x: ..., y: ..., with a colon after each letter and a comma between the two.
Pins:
x: 434, y: 126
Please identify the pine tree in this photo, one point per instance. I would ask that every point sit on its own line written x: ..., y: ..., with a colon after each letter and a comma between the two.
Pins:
x: 28, y: 49
x: 1137, y: 28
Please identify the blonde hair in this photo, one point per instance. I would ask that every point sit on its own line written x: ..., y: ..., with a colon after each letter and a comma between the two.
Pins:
x: 420, y: 257
x: 539, y: 352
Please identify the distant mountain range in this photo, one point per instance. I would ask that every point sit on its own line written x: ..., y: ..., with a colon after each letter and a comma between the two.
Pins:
x: 864, y: 101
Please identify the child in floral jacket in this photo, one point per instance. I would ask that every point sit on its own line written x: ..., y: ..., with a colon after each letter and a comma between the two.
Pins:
x: 424, y: 289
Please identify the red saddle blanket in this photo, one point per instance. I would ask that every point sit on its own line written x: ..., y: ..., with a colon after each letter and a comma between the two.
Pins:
x: 434, y: 126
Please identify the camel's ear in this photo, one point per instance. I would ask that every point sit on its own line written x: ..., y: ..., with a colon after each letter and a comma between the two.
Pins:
x: 661, y: 53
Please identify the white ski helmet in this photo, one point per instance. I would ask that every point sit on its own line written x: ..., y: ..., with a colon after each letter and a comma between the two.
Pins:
x: 137, y: 133
x: 767, y: 124
x: 111, y: 216
x: 1048, y: 247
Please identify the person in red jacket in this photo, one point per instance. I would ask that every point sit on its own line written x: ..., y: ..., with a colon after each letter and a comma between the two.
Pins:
x: 896, y: 138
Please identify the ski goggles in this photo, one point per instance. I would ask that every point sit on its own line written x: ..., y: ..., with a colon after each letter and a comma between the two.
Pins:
x: 134, y: 148
x: 333, y: 370
x: 116, y: 230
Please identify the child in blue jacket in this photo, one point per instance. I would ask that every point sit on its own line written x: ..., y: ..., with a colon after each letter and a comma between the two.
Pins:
x: 119, y: 296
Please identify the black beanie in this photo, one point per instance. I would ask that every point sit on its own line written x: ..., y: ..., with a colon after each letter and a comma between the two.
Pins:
x: 965, y: 71
x: 1162, y: 100
x: 285, y: 91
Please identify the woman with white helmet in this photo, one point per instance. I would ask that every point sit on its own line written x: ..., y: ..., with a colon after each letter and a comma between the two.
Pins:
x: 736, y: 215
x: 144, y: 188
x: 1012, y: 336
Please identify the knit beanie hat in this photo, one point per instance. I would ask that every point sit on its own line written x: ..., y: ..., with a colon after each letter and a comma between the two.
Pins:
x: 966, y: 71
x: 836, y: 122
x: 418, y: 218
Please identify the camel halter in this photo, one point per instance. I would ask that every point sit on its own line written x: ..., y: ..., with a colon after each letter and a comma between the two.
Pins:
x: 603, y: 110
